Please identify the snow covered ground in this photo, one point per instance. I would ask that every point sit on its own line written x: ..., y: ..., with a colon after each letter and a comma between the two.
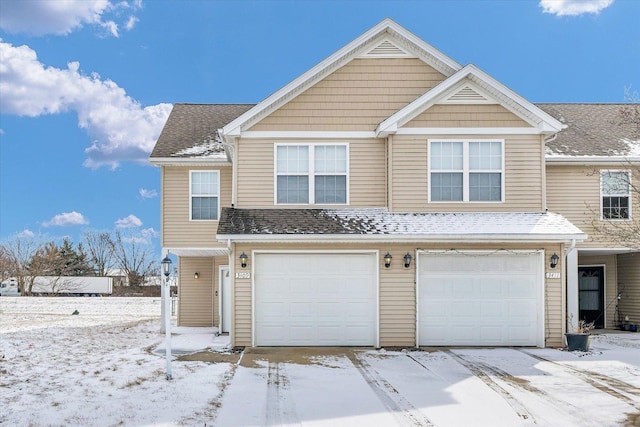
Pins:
x: 105, y: 366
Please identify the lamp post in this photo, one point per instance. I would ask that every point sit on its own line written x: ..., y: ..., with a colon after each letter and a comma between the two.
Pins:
x: 166, y: 270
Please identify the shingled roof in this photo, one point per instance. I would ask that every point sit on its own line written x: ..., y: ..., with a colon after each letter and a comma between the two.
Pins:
x: 595, y: 130
x: 191, y: 128
x: 380, y: 223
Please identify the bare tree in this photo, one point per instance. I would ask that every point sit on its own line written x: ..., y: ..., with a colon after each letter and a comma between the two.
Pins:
x: 100, y: 250
x: 134, y: 258
x: 17, y: 254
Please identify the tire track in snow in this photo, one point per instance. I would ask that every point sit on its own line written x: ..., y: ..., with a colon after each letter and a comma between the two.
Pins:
x: 525, y: 386
x: 280, y: 406
x: 612, y: 386
x: 477, y: 370
x: 403, y: 411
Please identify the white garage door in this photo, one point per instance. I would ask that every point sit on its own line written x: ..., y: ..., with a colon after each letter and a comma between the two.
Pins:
x: 315, y: 299
x: 480, y: 299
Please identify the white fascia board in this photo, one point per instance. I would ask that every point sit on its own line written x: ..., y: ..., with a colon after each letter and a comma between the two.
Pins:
x: 350, y: 238
x: 197, y: 252
x: 308, y: 135
x: 558, y: 160
x: 234, y: 128
x: 468, y: 131
x: 187, y: 161
x: 547, y: 124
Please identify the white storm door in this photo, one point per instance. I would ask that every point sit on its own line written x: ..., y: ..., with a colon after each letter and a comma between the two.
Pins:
x: 480, y: 299
x: 315, y: 299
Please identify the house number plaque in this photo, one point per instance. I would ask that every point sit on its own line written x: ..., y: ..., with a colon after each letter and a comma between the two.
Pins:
x: 243, y: 275
x: 553, y: 275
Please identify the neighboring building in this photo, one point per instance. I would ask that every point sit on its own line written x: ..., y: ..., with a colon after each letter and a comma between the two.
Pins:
x: 391, y: 197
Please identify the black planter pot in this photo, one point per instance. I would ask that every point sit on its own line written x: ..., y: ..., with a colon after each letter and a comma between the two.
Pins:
x: 577, y: 342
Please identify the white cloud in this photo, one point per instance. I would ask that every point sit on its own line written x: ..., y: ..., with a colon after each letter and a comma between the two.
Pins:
x: 66, y: 219
x: 131, y: 22
x: 148, y: 194
x: 574, y: 7
x: 120, y: 128
x: 150, y: 233
x: 26, y: 234
x: 39, y: 17
x: 129, y: 222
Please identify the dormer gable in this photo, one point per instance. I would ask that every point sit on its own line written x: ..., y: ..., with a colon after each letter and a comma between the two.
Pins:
x: 470, y: 85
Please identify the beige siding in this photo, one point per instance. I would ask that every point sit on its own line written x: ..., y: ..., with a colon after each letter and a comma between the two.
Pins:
x: 629, y: 285
x: 196, y: 296
x: 397, y: 297
x: 177, y: 228
x: 356, y: 97
x: 466, y: 115
x: 610, y: 283
x: 523, y: 175
x: 256, y: 178
x: 574, y: 192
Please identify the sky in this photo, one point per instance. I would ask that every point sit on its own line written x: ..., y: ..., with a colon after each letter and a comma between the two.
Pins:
x: 86, y: 85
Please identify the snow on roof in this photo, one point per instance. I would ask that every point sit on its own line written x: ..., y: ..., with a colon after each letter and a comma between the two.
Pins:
x: 243, y: 223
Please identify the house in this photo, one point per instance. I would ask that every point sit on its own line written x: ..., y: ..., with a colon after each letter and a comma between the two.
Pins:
x: 390, y: 196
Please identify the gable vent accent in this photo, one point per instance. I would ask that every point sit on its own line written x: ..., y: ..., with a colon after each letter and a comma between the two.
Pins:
x: 387, y: 49
x: 468, y: 95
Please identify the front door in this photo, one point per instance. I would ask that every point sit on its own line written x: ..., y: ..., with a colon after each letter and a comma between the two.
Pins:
x: 591, y: 295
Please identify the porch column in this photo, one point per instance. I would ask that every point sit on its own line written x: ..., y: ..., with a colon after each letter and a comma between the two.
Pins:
x: 572, y: 289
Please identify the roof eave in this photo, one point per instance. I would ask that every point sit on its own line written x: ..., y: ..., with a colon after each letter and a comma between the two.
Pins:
x: 435, y: 238
x: 188, y: 161
x: 594, y: 160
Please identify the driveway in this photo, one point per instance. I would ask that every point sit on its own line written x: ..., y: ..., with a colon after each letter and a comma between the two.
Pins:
x: 439, y: 387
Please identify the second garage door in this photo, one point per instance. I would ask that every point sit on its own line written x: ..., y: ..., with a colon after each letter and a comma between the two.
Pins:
x: 315, y: 299
x: 481, y: 299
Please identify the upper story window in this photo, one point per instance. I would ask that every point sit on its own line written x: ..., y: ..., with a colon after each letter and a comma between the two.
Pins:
x: 615, y: 188
x: 466, y: 171
x: 311, y: 173
x: 205, y: 195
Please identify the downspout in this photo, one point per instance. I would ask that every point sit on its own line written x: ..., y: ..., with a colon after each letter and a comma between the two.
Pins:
x: 573, y: 313
x: 389, y: 195
x: 232, y: 275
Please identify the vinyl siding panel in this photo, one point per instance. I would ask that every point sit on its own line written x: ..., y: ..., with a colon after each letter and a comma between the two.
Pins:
x: 523, y: 175
x: 177, y: 229
x: 196, y: 296
x: 629, y: 285
x: 466, y: 115
x: 356, y: 97
x: 256, y: 177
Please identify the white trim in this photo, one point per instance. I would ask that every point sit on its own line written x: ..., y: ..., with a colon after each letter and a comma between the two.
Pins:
x: 221, y: 269
x: 188, y: 161
x: 628, y: 195
x: 188, y: 252
x: 541, y: 285
x: 217, y: 173
x: 561, y: 160
x: 374, y: 252
x: 425, y: 51
x: 431, y: 238
x: 604, y: 290
x: 309, y: 135
x: 466, y: 171
x: 468, y: 131
x: 310, y: 172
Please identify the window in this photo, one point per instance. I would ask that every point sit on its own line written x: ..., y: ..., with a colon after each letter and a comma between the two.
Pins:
x: 311, y: 174
x: 466, y: 171
x: 205, y: 194
x: 615, y: 187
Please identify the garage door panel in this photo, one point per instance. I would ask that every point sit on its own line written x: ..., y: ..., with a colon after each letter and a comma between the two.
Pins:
x: 479, y: 300
x: 326, y: 299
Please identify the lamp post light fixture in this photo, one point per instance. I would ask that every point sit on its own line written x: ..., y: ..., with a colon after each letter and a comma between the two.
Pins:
x: 407, y: 260
x: 387, y: 260
x: 166, y: 270
x: 554, y: 260
x: 196, y: 275
x: 243, y: 260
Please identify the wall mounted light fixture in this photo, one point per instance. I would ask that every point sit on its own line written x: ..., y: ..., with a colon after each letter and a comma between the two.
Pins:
x: 387, y: 260
x: 196, y: 275
x: 554, y: 260
x: 243, y: 260
x: 407, y: 260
